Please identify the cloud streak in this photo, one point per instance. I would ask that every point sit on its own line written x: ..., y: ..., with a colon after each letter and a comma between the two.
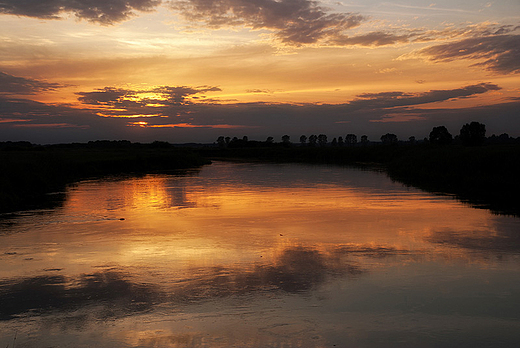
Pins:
x: 14, y: 85
x: 386, y: 100
x: 105, y: 12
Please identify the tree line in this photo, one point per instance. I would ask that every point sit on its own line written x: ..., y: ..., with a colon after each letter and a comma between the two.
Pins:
x: 471, y: 134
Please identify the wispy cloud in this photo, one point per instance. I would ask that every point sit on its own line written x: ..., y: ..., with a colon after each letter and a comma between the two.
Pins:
x: 432, y: 7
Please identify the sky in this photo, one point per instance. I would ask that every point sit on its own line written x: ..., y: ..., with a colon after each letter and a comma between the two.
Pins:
x: 193, y: 70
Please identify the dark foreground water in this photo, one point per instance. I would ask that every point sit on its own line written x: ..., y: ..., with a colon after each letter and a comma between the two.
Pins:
x: 259, y: 255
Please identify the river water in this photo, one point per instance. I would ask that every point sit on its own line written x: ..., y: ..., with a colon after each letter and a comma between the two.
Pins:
x: 259, y: 255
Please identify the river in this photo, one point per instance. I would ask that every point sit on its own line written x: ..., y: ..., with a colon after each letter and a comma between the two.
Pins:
x: 259, y: 255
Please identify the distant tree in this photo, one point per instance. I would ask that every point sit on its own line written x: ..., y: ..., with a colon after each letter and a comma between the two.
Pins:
x: 322, y: 139
x: 504, y: 138
x: 228, y: 140
x: 473, y: 134
x: 364, y: 140
x: 440, y: 136
x: 269, y: 140
x: 340, y: 141
x: 351, y: 139
x: 389, y: 138
x: 313, y: 139
x: 303, y: 139
x: 334, y: 142
x: 221, y: 141
x: 286, y: 139
x: 412, y: 140
x: 245, y: 138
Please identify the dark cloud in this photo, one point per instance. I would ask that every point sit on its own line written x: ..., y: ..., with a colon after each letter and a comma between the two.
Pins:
x: 106, y: 96
x: 499, y: 53
x: 98, y: 11
x: 176, y: 117
x: 14, y: 85
x: 125, y: 98
x: 293, y: 21
x: 395, y: 99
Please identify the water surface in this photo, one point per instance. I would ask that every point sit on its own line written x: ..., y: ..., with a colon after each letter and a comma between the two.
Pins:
x: 259, y: 255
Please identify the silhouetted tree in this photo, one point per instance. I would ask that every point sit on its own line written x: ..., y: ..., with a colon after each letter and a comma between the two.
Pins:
x: 245, y: 138
x: 269, y: 140
x: 440, y: 136
x: 221, y: 142
x: 228, y: 140
x: 389, y: 138
x: 412, y: 140
x: 313, y: 139
x: 322, y: 139
x: 303, y: 139
x: 334, y: 142
x: 286, y: 140
x: 340, y: 141
x: 504, y: 138
x: 473, y: 134
x: 351, y: 139
x: 364, y: 140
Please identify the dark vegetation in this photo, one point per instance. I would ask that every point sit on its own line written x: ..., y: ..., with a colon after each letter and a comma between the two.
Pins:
x: 28, y: 173
x: 482, y: 171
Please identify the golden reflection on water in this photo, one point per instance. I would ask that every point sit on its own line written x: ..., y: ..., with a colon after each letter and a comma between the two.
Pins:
x: 208, y: 258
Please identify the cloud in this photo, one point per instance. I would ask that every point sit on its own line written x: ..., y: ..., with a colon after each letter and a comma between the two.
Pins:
x: 294, y: 22
x: 14, y: 85
x: 118, y: 102
x: 500, y: 53
x: 141, y: 115
x: 396, y: 99
x: 104, y: 12
x: 376, y: 38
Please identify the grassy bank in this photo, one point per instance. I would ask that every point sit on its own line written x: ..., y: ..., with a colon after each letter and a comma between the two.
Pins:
x: 28, y: 173
x: 483, y: 175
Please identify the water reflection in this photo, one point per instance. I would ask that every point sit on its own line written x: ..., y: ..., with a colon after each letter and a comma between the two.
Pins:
x: 502, y: 238
x: 241, y: 255
x: 296, y: 270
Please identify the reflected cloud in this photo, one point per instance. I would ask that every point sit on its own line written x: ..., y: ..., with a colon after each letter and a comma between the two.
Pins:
x: 111, y: 289
x: 503, y: 239
x: 115, y: 293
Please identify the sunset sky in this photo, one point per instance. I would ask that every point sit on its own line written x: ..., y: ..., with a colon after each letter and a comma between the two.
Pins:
x: 192, y: 70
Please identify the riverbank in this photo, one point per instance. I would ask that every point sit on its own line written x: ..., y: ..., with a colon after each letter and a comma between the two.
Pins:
x: 28, y: 173
x: 484, y: 176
